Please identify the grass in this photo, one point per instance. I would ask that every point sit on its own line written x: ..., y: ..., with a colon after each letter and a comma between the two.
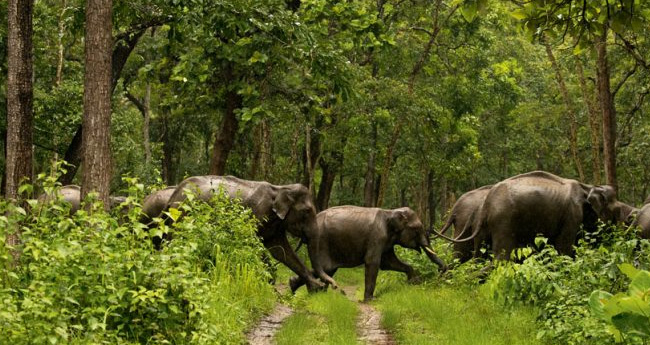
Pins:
x: 453, y: 315
x: 322, y: 318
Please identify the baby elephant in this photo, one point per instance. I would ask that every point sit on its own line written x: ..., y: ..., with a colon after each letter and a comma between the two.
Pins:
x: 349, y: 236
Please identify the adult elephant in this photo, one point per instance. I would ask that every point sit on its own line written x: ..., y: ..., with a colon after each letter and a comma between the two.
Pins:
x: 155, y: 203
x: 461, y: 216
x: 279, y: 209
x: 522, y: 207
x: 349, y: 236
x: 642, y: 220
x: 71, y: 194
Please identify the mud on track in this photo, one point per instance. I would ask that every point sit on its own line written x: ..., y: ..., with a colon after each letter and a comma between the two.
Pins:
x: 369, y: 326
x: 263, y: 333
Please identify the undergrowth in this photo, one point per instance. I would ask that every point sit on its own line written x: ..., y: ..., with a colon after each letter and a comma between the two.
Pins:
x: 89, y: 279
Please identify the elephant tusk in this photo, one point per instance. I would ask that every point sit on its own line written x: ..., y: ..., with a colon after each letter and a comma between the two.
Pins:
x: 429, y: 250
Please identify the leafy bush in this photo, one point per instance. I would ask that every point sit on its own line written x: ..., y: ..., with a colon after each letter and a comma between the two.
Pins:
x: 86, y: 278
x: 628, y: 314
x: 560, y: 286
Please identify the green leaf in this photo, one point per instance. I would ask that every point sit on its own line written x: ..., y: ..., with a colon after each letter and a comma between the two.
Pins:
x: 629, y: 270
x: 174, y: 213
x: 632, y: 323
x: 469, y: 11
x: 597, y: 302
x: 640, y: 285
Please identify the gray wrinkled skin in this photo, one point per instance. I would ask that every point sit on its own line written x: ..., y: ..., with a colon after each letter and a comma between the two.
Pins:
x: 349, y: 236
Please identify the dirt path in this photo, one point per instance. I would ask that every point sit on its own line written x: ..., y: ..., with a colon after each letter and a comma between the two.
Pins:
x: 369, y: 322
x: 265, y: 330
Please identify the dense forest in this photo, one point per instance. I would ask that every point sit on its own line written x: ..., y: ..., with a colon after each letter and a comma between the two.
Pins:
x: 376, y: 103
x: 383, y: 103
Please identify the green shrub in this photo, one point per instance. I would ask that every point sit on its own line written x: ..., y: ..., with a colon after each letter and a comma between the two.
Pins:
x: 627, y: 314
x: 86, y: 278
x: 560, y: 286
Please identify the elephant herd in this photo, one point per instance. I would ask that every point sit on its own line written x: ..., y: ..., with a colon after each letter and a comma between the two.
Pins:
x: 511, y: 213
x: 505, y: 216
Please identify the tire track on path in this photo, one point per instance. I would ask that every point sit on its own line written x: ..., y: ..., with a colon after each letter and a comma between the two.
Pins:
x: 265, y: 330
x: 369, y: 326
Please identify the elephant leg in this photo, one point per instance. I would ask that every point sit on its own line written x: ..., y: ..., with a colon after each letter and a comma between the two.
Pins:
x: 296, y: 282
x: 567, y: 238
x: 390, y: 262
x: 372, y: 269
x: 320, y: 265
x: 281, y: 250
x: 503, y: 244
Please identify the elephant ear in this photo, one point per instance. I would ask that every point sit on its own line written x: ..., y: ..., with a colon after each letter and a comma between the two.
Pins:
x: 282, y: 203
x: 602, y: 199
x: 397, y: 220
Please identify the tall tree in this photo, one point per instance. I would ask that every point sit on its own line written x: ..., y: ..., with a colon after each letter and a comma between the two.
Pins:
x: 19, y: 95
x: 97, y: 99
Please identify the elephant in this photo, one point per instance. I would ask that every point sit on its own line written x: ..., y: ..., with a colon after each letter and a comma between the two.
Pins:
x: 155, y: 203
x: 464, y: 210
x: 349, y: 236
x: 72, y: 195
x: 279, y: 209
x: 642, y: 220
x: 519, y: 208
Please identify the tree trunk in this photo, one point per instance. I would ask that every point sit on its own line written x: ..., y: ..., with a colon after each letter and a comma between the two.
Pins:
x: 369, y: 186
x: 266, y: 156
x: 608, y: 111
x: 573, y: 121
x: 325, y: 188
x: 123, y: 49
x: 19, y: 95
x: 168, y: 151
x: 594, y: 123
x: 145, y: 125
x: 431, y: 199
x: 388, y: 162
x: 60, y: 47
x: 20, y: 100
x: 97, y: 100
x: 225, y: 138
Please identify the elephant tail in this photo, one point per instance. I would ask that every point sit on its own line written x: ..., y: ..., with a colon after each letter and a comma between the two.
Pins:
x: 467, y: 226
x: 450, y: 221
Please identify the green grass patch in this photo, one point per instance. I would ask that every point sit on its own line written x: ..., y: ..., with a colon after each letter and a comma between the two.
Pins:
x: 453, y: 315
x: 322, y: 318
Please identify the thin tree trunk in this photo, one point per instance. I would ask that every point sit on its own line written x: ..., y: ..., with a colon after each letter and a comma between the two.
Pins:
x: 168, y: 150
x: 594, y: 123
x: 257, y: 152
x: 388, y: 162
x: 369, y: 186
x: 608, y: 111
x: 266, y: 157
x: 97, y: 100
x: 431, y: 199
x: 60, y: 47
x: 145, y: 125
x: 573, y: 121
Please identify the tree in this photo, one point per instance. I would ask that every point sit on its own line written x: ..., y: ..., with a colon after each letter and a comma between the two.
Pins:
x: 19, y: 95
x: 97, y: 100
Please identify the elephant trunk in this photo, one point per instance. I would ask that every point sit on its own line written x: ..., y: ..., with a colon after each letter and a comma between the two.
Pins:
x: 434, y: 258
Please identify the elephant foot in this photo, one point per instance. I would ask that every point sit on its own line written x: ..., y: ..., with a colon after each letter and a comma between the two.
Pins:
x: 294, y: 284
x: 315, y: 286
x: 415, y: 279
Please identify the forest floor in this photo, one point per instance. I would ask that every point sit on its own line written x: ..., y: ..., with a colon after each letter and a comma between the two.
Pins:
x: 401, y: 314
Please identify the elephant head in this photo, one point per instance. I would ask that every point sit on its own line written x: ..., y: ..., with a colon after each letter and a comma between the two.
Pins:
x: 293, y: 205
x: 410, y: 233
x: 604, y: 203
